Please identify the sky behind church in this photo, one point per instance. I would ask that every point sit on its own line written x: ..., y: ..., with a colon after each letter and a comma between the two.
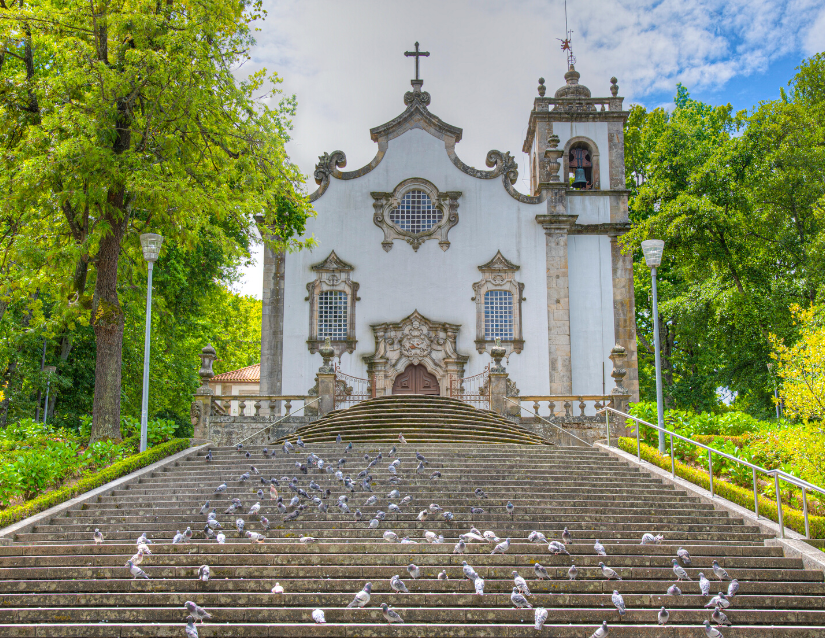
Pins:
x: 345, y: 63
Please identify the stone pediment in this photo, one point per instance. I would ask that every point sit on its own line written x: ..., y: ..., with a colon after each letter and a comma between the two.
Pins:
x: 416, y: 115
x: 499, y: 262
x: 331, y: 263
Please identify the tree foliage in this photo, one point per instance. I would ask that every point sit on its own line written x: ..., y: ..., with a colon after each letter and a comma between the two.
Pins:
x: 118, y: 118
x: 801, y: 366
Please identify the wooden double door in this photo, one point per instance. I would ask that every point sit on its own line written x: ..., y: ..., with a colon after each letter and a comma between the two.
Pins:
x: 416, y: 379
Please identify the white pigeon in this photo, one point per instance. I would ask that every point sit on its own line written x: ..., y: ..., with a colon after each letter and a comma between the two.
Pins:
x: 221, y: 538
x: 390, y: 537
x: 520, y: 584
x: 137, y: 559
x: 501, y: 548
x: 470, y: 536
x: 362, y: 597
x: 306, y: 540
x: 650, y: 539
x: 519, y: 601
x: 422, y: 515
x: 374, y: 523
x: 599, y: 548
x: 478, y: 583
x: 254, y: 537
x: 413, y: 571
x: 433, y: 538
x: 98, y: 536
x: 491, y: 537
x: 442, y: 575
x: 278, y: 589
x: 253, y: 511
x: 203, y: 573
x: 318, y: 616
x: 541, y: 618
x: 142, y: 540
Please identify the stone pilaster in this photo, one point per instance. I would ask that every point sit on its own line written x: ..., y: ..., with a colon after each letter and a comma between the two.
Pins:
x: 272, y: 322
x: 556, y: 229
x: 624, y: 313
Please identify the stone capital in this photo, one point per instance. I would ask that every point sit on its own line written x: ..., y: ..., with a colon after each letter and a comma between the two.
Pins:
x: 556, y: 224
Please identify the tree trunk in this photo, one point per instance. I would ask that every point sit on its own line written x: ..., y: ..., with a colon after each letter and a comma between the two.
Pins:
x: 107, y: 320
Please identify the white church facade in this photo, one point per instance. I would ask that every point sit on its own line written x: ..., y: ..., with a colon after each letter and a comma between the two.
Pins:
x: 422, y: 261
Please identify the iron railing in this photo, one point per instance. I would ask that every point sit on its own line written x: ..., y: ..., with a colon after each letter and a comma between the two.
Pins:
x: 474, y: 390
x: 555, y: 425
x: 777, y: 474
x: 350, y: 390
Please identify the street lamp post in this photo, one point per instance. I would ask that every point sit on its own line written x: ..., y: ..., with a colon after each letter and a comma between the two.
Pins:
x: 775, y: 395
x: 49, y: 370
x: 652, y: 249
x: 150, y: 242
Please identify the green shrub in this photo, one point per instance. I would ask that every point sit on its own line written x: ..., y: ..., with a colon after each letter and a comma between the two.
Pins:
x: 121, y: 468
x: 792, y: 518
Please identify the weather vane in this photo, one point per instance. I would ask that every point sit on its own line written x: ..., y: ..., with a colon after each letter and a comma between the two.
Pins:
x: 567, y: 43
x: 417, y: 54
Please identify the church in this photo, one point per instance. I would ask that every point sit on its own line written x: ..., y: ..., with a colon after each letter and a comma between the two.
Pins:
x: 423, y: 263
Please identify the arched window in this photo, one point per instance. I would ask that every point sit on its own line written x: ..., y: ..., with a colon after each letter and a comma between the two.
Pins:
x: 332, y: 315
x: 498, y: 315
x: 580, y: 162
x: 416, y: 213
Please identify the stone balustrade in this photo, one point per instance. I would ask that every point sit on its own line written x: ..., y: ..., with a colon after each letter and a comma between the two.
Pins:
x: 258, y: 405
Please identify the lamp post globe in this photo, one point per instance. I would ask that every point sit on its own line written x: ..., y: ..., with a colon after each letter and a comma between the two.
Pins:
x: 150, y: 244
x: 653, y: 250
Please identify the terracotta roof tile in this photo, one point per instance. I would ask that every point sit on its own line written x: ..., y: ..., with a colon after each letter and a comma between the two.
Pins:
x: 249, y: 374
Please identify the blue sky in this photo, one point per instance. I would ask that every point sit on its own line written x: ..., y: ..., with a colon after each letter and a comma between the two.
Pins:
x: 344, y: 61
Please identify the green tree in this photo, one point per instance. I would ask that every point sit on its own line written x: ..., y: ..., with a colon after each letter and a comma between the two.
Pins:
x: 122, y: 118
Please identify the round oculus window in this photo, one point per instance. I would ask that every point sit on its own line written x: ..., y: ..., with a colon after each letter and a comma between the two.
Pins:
x: 416, y: 213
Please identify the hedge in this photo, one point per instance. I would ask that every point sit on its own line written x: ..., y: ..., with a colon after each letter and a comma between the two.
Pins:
x: 708, y: 439
x: 792, y: 518
x: 116, y: 470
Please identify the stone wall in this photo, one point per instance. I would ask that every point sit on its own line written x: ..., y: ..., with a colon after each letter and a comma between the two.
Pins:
x: 587, y: 428
x: 228, y: 430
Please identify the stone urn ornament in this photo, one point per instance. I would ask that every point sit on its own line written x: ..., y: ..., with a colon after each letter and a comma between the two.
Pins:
x: 498, y: 352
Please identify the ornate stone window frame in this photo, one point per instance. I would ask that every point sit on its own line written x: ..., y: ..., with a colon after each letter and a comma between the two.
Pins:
x: 385, y: 203
x: 499, y: 274
x: 332, y: 274
x: 580, y: 140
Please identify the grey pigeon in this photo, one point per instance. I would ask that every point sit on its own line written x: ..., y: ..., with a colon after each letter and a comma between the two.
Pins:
x: 683, y: 555
x: 680, y: 572
x: 673, y: 590
x: 362, y: 597
x: 300, y: 442
x: 541, y: 572
x: 519, y: 601
x: 244, y: 477
x: 435, y: 475
x: 413, y: 571
x: 220, y: 488
x: 733, y: 588
x: 608, y: 572
x: 501, y: 548
x: 204, y: 508
x: 520, y: 584
x: 338, y: 439
x: 566, y: 536
x: 420, y: 457
x: 390, y: 537
x: 372, y: 500
x: 557, y: 548
x: 572, y: 572
x: 719, y: 617
x: 253, y: 511
x: 460, y: 547
x: 510, y: 508
x: 420, y: 467
x: 720, y: 600
x: 469, y: 572
x: 442, y: 575
x: 618, y: 602
x: 480, y: 493
x: 136, y: 571
x: 664, y: 616
x: 358, y: 515
x: 203, y: 573
x: 540, y: 618
x: 398, y: 586
x: 712, y: 632
x: 254, y: 470
x: 393, y: 451
x: 704, y: 585
x: 374, y: 523
x: 601, y: 632
x: 599, y: 548
x: 98, y: 536
x: 318, y: 614
x: 198, y: 613
x: 390, y: 614
x: 394, y: 508
x: 448, y: 516
x: 476, y: 510
x: 191, y: 630
x: 393, y: 494
x: 721, y: 574
x: 537, y: 537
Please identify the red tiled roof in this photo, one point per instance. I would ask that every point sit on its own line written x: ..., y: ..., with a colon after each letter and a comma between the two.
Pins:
x: 249, y: 374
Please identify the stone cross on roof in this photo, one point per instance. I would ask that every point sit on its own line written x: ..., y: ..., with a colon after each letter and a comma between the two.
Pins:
x: 417, y: 54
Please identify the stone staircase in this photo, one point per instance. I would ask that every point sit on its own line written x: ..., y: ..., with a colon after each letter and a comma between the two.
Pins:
x: 421, y: 419
x: 54, y: 581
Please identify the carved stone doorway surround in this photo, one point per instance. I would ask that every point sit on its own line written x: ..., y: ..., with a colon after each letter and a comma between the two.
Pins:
x: 419, y: 341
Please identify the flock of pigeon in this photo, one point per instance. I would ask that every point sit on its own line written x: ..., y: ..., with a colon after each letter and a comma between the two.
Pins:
x: 317, y: 496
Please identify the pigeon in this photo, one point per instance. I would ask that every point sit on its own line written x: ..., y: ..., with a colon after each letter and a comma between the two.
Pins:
x: 435, y: 475
x: 391, y: 469
x: 733, y: 588
x: 541, y: 572
x: 650, y: 539
x: 618, y: 602
x: 293, y: 516
x: 338, y: 439
x: 144, y: 549
x: 476, y: 510
x: 448, y: 516
x: 142, y: 540
x: 470, y: 537
x: 401, y: 438
x: 220, y: 488
x: 191, y: 630
x: 520, y: 584
x: 390, y: 614
x: 243, y: 477
x: 98, y: 536
x: 300, y: 442
x: 704, y: 584
x: 278, y: 589
x: 137, y: 559
x: 239, y: 446
x: 719, y: 617
x: 422, y: 515
x: 203, y: 573
x: 392, y: 451
x: 318, y: 614
x: 374, y: 523
x: 510, y: 507
x: 608, y: 572
x: 664, y: 616
x: 420, y: 467
x: 492, y: 538
x: 348, y: 448
x: 204, y: 508
x: 537, y: 537
x: 469, y: 572
x: 599, y: 548
x: 683, y: 555
x: 601, y: 632
x: 566, y: 536
x: 198, y: 613
x: 478, y: 583
x: 239, y: 523
x: 572, y: 572
x: 712, y: 632
x: 178, y: 538
x: 721, y: 574
x: 253, y: 511
x: 221, y: 538
x: 673, y: 590
x: 680, y: 572
x: 254, y: 537
x: 420, y: 457
x: 288, y: 447
x: 398, y: 586
x: 372, y: 500
x: 136, y: 571
x: 358, y: 515
x: 557, y: 548
x: 480, y: 493
x: 260, y: 494
x: 519, y: 601
x: 413, y: 571
x: 390, y: 537
x: 248, y: 455
x: 501, y: 548
x: 442, y: 575
x: 307, y: 540
x: 435, y: 508
x: 362, y: 597
x: 254, y: 470
x: 720, y: 600
x: 540, y: 618
x: 273, y: 493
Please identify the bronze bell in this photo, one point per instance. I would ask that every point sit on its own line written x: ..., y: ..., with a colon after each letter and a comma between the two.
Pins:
x: 579, y: 181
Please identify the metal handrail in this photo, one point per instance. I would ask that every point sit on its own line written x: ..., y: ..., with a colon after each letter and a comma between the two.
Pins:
x: 777, y: 474
x: 279, y: 420
x: 549, y: 423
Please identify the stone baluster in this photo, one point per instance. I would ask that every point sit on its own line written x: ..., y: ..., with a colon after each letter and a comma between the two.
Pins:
x: 257, y: 411
x: 288, y: 406
x: 536, y: 408
x: 568, y: 408
x: 227, y: 406
x: 273, y: 408
x: 552, y: 406
x: 241, y: 407
x: 581, y: 406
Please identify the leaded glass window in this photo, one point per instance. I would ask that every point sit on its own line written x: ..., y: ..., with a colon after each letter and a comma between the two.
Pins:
x: 332, y: 315
x: 416, y: 213
x: 498, y: 315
